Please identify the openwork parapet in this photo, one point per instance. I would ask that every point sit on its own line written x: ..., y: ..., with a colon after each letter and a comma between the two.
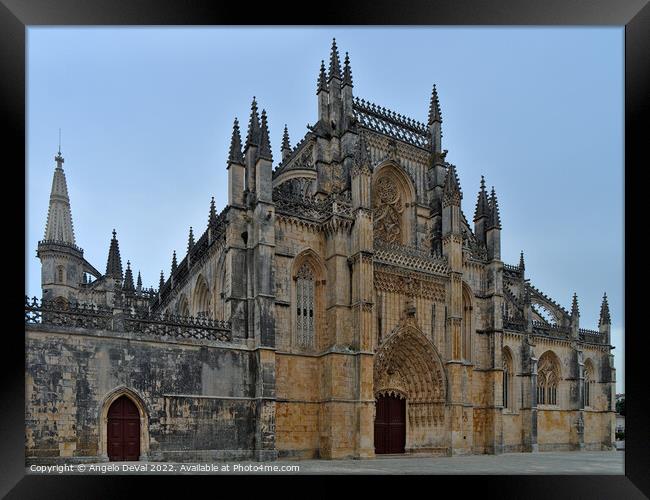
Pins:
x: 62, y: 313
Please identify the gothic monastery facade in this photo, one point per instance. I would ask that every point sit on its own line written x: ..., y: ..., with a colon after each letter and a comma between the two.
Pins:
x: 340, y: 305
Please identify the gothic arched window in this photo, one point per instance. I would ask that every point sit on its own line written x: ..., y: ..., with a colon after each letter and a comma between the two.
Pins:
x: 508, y: 396
x: 305, y: 299
x: 548, y: 379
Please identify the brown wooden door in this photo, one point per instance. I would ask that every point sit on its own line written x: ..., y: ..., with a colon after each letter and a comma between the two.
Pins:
x: 123, y: 430
x: 390, y: 425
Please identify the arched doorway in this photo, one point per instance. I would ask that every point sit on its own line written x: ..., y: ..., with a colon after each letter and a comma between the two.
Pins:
x: 390, y: 424
x: 123, y: 430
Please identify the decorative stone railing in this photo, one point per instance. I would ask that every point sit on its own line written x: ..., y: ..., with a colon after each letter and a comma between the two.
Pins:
x: 391, y: 253
x: 91, y: 316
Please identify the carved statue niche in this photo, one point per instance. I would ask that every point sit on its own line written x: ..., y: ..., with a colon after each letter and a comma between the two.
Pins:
x: 388, y: 211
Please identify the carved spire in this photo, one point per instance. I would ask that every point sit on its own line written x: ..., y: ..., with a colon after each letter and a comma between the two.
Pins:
x: 59, y: 226
x: 190, y: 240
x: 322, y: 79
x: 434, y: 107
x: 114, y: 263
x: 495, y: 217
x: 522, y: 265
x: 451, y: 189
x: 161, y: 284
x: 482, y: 203
x: 575, y: 312
x: 212, y: 218
x: 605, y: 319
x: 235, y: 155
x: 335, y: 63
x: 286, y: 145
x: 128, y: 278
x: 138, y: 285
x: 265, y: 141
x: 347, y: 72
x: 253, y: 136
x: 174, y: 263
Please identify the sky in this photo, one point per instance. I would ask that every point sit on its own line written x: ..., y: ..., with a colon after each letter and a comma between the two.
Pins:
x: 146, y: 117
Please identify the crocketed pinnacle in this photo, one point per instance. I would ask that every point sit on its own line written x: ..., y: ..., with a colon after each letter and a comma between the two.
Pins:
x: 286, y: 145
x: 347, y: 71
x: 434, y: 107
x: 235, y: 155
x: 161, y: 284
x: 190, y: 240
x: 128, y: 278
x: 59, y: 226
x: 138, y: 285
x: 574, y: 306
x: 522, y: 265
x: 495, y: 217
x: 482, y: 203
x: 174, y: 263
x: 322, y: 79
x: 335, y: 63
x: 212, y: 218
x: 114, y: 263
x: 253, y: 136
x: 265, y: 141
x: 604, y: 312
x: 452, y: 185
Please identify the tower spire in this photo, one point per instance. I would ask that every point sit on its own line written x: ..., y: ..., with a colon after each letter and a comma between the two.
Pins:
x: 114, y: 263
x: 235, y: 155
x: 128, y: 278
x: 347, y: 71
x: 605, y: 318
x: 335, y: 63
x: 252, y: 138
x: 59, y: 226
x: 482, y: 203
x: 265, y: 141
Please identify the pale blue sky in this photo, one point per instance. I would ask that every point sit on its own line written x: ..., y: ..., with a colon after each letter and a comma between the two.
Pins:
x: 146, y: 116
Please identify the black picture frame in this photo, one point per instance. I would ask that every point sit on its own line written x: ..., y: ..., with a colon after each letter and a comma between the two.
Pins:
x: 17, y: 15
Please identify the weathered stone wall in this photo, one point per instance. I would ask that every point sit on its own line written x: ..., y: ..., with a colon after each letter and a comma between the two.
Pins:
x: 198, y: 396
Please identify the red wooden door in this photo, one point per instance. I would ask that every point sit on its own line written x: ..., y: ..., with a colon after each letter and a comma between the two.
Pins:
x: 123, y: 430
x: 390, y: 425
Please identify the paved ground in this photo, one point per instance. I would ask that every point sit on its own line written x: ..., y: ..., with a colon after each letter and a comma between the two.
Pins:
x: 600, y: 462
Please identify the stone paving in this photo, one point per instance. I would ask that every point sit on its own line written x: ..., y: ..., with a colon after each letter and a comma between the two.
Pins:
x: 598, y: 462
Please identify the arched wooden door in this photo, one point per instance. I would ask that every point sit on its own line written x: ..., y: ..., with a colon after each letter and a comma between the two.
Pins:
x: 123, y: 430
x: 390, y: 425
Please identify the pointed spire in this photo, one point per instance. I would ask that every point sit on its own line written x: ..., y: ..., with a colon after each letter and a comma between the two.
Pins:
x: 482, y: 203
x: 322, y: 79
x: 575, y: 312
x: 452, y: 185
x: 59, y: 226
x: 285, y: 139
x: 335, y: 63
x: 347, y: 71
x: 174, y: 263
x: 495, y: 217
x: 138, y: 285
x: 522, y: 265
x: 605, y: 319
x: 212, y: 218
x: 235, y: 155
x: 434, y: 107
x: 265, y: 141
x: 190, y: 240
x: 114, y: 263
x: 252, y: 138
x: 161, y: 284
x: 128, y: 277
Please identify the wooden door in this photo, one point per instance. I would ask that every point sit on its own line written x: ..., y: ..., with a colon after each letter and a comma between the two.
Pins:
x: 123, y: 430
x: 390, y: 425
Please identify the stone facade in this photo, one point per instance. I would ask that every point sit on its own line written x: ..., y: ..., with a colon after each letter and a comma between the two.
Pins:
x: 346, y: 273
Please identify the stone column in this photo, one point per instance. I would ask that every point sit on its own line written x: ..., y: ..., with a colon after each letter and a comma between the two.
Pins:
x: 529, y: 397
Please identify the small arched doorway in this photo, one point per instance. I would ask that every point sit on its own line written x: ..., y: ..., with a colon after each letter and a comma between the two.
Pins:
x: 390, y: 424
x: 123, y: 430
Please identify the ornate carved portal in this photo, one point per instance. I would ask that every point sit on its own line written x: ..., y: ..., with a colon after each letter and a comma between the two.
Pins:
x: 388, y: 211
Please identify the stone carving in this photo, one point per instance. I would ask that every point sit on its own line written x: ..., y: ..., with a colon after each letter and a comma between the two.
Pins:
x: 388, y: 211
